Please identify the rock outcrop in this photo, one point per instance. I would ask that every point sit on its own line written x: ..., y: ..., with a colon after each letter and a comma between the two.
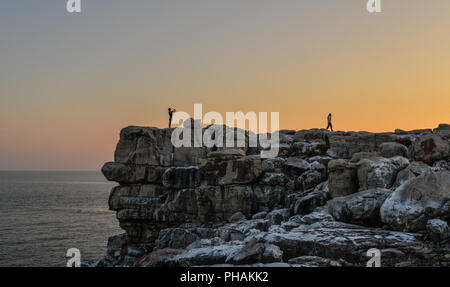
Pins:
x: 430, y: 148
x: 342, y: 178
x: 422, y: 198
x: 325, y: 200
x: 361, y: 208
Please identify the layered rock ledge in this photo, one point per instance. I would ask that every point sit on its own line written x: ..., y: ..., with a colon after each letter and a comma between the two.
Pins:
x: 324, y: 201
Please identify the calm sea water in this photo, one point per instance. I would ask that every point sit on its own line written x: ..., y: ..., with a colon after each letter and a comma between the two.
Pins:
x: 42, y: 214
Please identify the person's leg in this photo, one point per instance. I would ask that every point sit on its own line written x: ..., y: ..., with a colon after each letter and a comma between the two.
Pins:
x: 331, y: 126
x: 328, y: 126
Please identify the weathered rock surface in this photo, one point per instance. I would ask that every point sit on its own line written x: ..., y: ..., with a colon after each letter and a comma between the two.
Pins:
x: 392, y: 149
x: 239, y: 171
x: 227, y: 206
x: 306, y: 202
x: 342, y: 178
x: 443, y: 131
x: 328, y: 240
x: 313, y: 261
x: 430, y: 148
x: 180, y: 238
x: 422, y: 198
x: 340, y: 241
x: 181, y: 177
x: 251, y: 252
x: 129, y: 174
x: 344, y: 145
x: 438, y: 229
x: 379, y: 172
x: 413, y: 170
x: 360, y: 208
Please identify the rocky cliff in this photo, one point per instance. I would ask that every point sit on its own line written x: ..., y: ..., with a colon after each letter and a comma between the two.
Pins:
x: 324, y: 201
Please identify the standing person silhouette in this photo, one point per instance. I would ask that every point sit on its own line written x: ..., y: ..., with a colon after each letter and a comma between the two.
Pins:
x: 171, y: 111
x: 329, y: 122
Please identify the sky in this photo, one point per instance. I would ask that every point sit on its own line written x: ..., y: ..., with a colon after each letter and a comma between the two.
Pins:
x: 70, y: 82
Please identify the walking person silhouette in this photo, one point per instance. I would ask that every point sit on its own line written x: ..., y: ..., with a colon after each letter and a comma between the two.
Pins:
x: 171, y: 111
x: 329, y: 122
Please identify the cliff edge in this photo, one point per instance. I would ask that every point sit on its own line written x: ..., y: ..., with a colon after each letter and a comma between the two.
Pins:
x: 324, y: 201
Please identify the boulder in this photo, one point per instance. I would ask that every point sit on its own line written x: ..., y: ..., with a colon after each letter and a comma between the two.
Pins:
x: 430, y: 148
x: 379, y: 172
x: 422, y: 198
x: 272, y: 253
x: 231, y: 253
x: 392, y: 149
x: 415, y: 169
x: 251, y: 252
x: 144, y: 145
x: 244, y: 226
x: 342, y: 178
x: 313, y: 176
x: 443, y: 131
x: 359, y: 208
x: 306, y: 203
x: 438, y: 230
x: 295, y: 166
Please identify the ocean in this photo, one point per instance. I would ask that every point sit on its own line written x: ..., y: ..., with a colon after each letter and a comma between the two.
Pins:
x: 43, y: 214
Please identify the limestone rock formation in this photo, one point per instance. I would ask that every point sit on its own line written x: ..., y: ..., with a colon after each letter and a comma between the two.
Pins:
x: 443, y: 131
x: 422, y: 198
x: 430, y: 148
x: 391, y: 149
x: 361, y: 207
x: 325, y: 200
x: 379, y: 172
x: 342, y: 178
x: 438, y: 229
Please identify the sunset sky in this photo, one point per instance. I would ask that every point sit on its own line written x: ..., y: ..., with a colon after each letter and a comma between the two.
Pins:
x: 70, y: 82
